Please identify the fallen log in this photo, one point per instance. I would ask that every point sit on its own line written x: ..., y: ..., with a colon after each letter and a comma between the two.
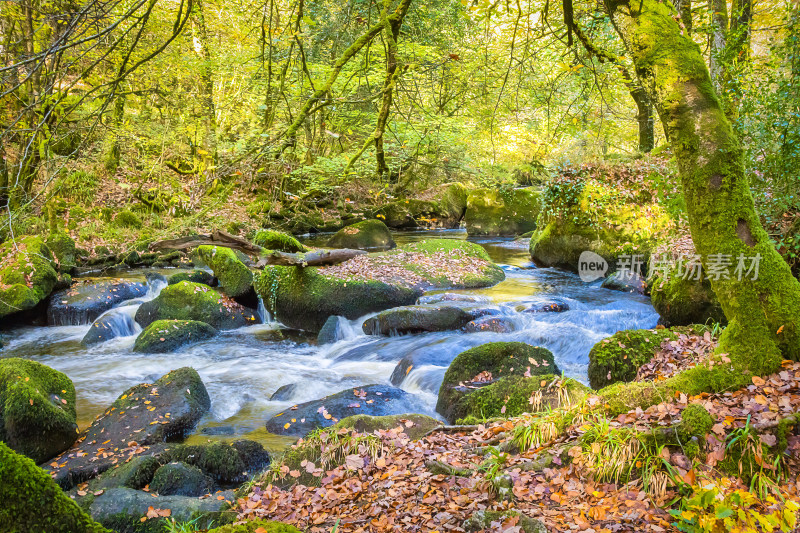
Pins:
x: 315, y: 258
x: 218, y: 238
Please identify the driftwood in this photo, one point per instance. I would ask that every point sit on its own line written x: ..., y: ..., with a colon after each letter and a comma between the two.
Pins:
x: 219, y: 238
x: 316, y: 258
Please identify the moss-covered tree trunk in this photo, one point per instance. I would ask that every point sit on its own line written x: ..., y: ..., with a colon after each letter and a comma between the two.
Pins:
x: 763, y: 313
x: 209, y: 112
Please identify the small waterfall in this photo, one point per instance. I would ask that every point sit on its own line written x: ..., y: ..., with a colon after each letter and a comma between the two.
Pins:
x: 120, y: 321
x: 262, y: 312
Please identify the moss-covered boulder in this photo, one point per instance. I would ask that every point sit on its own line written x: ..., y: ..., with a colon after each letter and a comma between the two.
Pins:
x: 192, y: 301
x: 89, y: 298
x: 145, y: 415
x: 453, y: 203
x: 501, y: 212
x: 408, y: 213
x: 127, y: 219
x: 180, y: 479
x: 32, y: 502
x: 260, y: 526
x: 164, y: 336
x: 37, y: 409
x: 233, y: 275
x: 64, y: 250
x: 619, y: 357
x: 122, y: 510
x: 302, y: 298
x: 416, y: 319
x: 134, y: 474
x: 195, y: 276
x: 580, y: 216
x: 682, y: 302
x: 228, y: 464
x: 364, y: 235
x: 415, y: 426
x: 484, y: 365
x: 485, y: 521
x: 27, y: 275
x: 275, y: 240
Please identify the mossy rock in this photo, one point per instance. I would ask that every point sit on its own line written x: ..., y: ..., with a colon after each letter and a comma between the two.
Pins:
x: 195, y: 276
x: 134, y: 474
x: 32, y: 502
x: 164, y: 336
x: 483, y: 520
x: 228, y: 464
x: 589, y: 216
x: 193, y: 301
x: 27, y: 275
x: 233, y: 275
x: 37, y: 409
x: 262, y: 526
x: 89, y: 298
x: 453, y: 203
x: 416, y: 319
x: 364, y: 235
x: 415, y: 426
x: 275, y: 240
x: 695, y: 422
x: 619, y: 357
x: 501, y: 359
x: 501, y: 212
x: 180, y: 479
x: 681, y: 302
x: 128, y: 219
x: 408, y: 213
x: 302, y: 298
x: 64, y: 250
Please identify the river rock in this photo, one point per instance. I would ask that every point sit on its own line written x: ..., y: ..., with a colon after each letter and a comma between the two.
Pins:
x: 32, y: 502
x: 450, y: 297
x: 195, y: 276
x: 625, y: 281
x: 192, y: 301
x: 416, y: 319
x: 682, y: 302
x: 180, y: 479
x: 619, y: 357
x: 64, y: 250
x: 88, y: 299
x: 228, y: 464
x: 109, y: 326
x: 364, y: 235
x: 165, y: 336
x: 122, y: 510
x: 501, y: 212
x: 275, y: 240
x: 37, y: 409
x: 485, y: 364
x: 550, y: 306
x: 494, y: 324
x: 27, y: 275
x: 145, y: 415
x: 284, y: 393
x: 302, y: 298
x: 373, y: 400
x: 330, y: 332
x: 234, y: 277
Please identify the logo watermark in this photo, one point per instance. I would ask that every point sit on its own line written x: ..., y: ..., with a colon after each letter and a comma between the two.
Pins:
x: 692, y: 267
x: 591, y: 266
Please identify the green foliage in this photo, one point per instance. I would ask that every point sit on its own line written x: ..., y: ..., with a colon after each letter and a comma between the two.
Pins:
x: 127, y: 219
x: 79, y: 186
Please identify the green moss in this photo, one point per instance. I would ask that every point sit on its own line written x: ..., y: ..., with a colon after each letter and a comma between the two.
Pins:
x: 619, y: 357
x: 234, y: 276
x: 420, y: 424
x: 250, y: 527
x: 502, y: 212
x: 484, y: 520
x: 691, y: 449
x: 453, y: 202
x: 128, y: 219
x: 32, y: 502
x: 220, y: 460
x: 195, y: 276
x: 164, y: 336
x: 37, y: 409
x: 64, y: 250
x: 135, y: 474
x: 682, y: 302
x: 275, y: 240
x: 695, y: 422
x: 365, y: 235
x: 180, y: 479
x: 27, y: 275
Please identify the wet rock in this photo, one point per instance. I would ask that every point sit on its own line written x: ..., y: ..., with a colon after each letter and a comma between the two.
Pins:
x: 27, y: 275
x: 122, y: 509
x: 553, y: 306
x: 501, y: 212
x: 494, y: 324
x: 284, y: 393
x: 330, y: 331
x: 180, y: 479
x: 234, y: 277
x: 145, y: 415
x: 109, y: 326
x: 88, y: 299
x: 192, y: 301
x: 37, y: 409
x: 365, y: 235
x: 415, y: 319
x: 625, y: 282
x: 195, y: 276
x: 218, y: 430
x: 33, y: 502
x: 373, y: 400
x: 228, y: 464
x: 450, y: 297
x: 165, y: 336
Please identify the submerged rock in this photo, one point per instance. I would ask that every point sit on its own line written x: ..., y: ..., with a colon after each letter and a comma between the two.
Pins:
x: 33, y: 502
x: 88, y: 299
x: 416, y: 319
x: 109, y: 326
x: 373, y: 400
x: 27, y: 275
x: 284, y: 393
x: 551, y: 306
x: 146, y: 414
x: 450, y: 297
x: 164, y: 336
x: 625, y: 282
x: 192, y: 301
x: 364, y: 235
x: 494, y: 324
x: 501, y: 212
x: 37, y: 409
x: 234, y: 277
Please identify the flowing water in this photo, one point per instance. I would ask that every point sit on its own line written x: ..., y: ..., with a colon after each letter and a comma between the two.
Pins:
x: 243, y: 368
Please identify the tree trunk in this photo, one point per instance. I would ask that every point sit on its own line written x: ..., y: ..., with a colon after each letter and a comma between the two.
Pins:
x: 719, y: 37
x: 647, y: 136
x: 200, y: 39
x: 763, y: 313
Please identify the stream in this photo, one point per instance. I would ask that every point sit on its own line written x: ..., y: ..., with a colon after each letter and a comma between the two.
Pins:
x: 243, y: 368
